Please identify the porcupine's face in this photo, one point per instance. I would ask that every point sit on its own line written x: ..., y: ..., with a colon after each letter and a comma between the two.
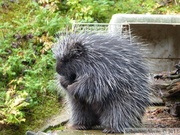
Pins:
x: 66, y: 60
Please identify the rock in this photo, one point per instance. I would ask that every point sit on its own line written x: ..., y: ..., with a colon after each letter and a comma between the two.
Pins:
x: 57, y: 120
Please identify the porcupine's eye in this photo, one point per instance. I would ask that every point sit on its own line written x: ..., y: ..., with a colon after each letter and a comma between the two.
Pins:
x: 61, y: 59
x: 72, y: 77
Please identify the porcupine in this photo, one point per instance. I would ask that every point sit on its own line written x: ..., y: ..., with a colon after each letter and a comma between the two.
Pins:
x: 106, y: 81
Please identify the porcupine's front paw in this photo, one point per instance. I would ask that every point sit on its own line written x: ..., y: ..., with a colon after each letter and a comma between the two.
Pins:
x: 72, y: 90
x: 110, y: 131
x: 64, y: 82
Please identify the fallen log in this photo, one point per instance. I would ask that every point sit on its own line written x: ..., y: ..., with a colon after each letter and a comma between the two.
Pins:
x: 167, y: 87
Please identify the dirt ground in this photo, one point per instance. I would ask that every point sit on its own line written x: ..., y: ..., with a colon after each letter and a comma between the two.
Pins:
x: 156, y: 117
x: 159, y: 117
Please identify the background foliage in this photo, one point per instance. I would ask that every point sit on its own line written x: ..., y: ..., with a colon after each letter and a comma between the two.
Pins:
x: 27, y: 33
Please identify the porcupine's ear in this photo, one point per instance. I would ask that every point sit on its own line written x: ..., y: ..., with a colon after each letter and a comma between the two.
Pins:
x: 79, y: 49
x: 78, y: 46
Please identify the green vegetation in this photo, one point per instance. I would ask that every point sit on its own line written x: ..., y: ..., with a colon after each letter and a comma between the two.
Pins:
x: 27, y: 73
x: 27, y: 32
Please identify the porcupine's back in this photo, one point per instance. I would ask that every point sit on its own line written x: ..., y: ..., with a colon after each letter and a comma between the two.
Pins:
x: 118, y: 63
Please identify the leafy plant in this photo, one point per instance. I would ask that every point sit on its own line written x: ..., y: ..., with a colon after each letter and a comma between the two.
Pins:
x: 101, y: 11
x: 26, y: 60
x: 11, y: 111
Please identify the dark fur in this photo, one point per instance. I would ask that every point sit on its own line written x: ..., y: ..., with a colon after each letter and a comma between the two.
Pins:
x: 105, y: 79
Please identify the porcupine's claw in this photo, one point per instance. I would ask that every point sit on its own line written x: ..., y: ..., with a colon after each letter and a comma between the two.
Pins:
x: 81, y: 127
x: 109, y: 130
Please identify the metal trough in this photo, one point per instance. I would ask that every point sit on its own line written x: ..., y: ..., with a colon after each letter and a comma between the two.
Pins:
x: 161, y: 32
